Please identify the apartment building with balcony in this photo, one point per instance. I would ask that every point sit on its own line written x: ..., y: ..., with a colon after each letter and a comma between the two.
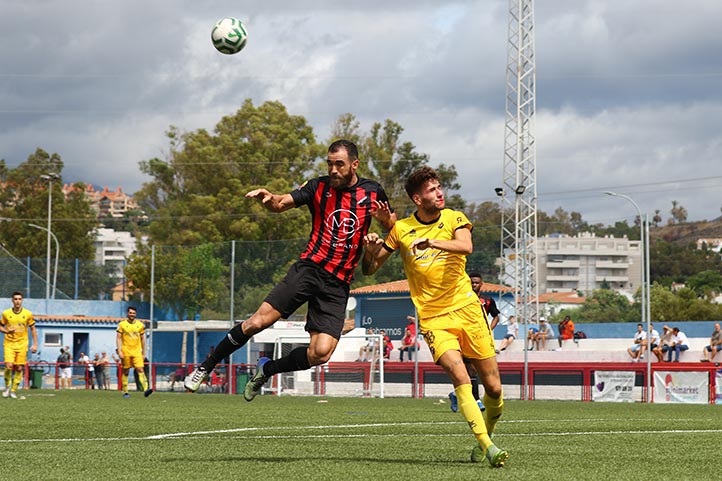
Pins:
x: 114, y: 247
x: 585, y: 262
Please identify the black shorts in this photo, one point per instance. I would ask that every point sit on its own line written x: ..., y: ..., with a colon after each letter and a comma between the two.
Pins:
x: 326, y: 295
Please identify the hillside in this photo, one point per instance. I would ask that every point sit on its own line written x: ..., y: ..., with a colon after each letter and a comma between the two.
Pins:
x: 688, y: 232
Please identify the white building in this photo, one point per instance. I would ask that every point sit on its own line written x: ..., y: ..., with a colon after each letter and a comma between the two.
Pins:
x: 584, y: 262
x: 113, y: 247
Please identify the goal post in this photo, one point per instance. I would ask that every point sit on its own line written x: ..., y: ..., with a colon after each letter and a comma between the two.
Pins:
x: 342, y: 376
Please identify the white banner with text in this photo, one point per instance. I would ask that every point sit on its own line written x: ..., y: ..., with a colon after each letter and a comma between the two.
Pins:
x: 613, y: 386
x: 681, y: 387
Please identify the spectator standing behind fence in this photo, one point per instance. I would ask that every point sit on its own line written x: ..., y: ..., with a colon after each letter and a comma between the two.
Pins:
x: 408, y: 345
x: 680, y: 344
x: 640, y: 338
x: 105, y: 362
x: 89, y: 368
x: 15, y: 323
x: 99, y: 379
x: 566, y: 330
x: 715, y: 345
x: 66, y: 371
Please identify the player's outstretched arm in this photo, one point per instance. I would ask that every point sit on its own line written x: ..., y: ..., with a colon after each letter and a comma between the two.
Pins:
x: 460, y: 244
x: 374, y: 254
x: 272, y: 202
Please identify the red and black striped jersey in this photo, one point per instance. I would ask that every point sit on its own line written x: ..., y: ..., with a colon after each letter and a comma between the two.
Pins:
x: 340, y: 220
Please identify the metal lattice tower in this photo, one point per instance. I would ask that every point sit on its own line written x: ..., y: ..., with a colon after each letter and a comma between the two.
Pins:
x: 519, y: 194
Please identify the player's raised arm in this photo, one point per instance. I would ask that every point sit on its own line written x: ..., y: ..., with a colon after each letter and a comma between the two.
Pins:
x: 374, y: 254
x: 382, y: 212
x: 272, y: 202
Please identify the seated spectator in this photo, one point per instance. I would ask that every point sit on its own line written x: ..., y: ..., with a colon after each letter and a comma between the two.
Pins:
x: 545, y: 332
x: 388, y: 345
x: 680, y: 344
x: 640, y: 337
x: 665, y: 343
x: 566, y: 330
x: 715, y: 345
x: 371, y: 348
x: 531, y: 336
x: 652, y: 340
x: 512, y: 332
x: 408, y: 344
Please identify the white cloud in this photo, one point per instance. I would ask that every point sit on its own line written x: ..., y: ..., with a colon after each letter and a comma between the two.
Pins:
x: 627, y: 90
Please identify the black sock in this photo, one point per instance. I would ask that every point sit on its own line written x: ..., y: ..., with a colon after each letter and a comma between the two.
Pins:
x: 475, y: 387
x: 233, y: 340
x: 296, y: 360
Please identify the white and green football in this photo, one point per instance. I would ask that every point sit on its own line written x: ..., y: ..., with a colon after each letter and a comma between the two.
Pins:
x: 229, y: 36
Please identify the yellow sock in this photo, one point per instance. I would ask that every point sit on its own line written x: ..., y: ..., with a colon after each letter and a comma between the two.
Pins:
x: 124, y: 382
x: 494, y: 408
x: 470, y: 410
x: 8, y: 377
x: 143, y: 380
x: 17, y: 377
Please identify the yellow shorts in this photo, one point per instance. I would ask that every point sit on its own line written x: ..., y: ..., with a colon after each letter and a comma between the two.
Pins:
x: 464, y: 329
x: 134, y: 360
x: 17, y: 355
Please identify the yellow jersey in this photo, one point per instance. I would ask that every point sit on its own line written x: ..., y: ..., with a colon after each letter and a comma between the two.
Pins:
x: 20, y: 322
x: 437, y: 279
x: 131, y: 333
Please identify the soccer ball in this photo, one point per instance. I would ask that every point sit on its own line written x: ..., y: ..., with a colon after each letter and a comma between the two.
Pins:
x: 229, y: 36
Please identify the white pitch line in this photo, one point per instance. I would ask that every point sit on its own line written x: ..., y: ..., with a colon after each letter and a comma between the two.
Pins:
x: 199, y: 434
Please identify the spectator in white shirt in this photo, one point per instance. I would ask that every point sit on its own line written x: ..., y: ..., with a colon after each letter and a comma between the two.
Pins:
x: 637, y: 350
x: 653, y: 340
x: 512, y: 332
x: 715, y: 345
x: 680, y: 344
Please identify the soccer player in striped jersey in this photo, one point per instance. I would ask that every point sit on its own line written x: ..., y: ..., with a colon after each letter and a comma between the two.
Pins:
x: 130, y: 339
x: 434, y: 243
x: 342, y: 206
x: 15, y: 323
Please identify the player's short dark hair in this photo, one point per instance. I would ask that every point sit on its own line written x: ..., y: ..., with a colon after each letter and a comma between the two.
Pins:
x: 418, y: 178
x: 17, y: 293
x: 475, y: 274
x: 640, y: 325
x: 132, y: 308
x: 349, y: 146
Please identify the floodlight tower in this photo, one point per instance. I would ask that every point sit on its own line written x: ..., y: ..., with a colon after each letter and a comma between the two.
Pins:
x: 518, y: 193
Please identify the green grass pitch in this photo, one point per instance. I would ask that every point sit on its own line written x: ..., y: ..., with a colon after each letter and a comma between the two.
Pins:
x: 99, y: 435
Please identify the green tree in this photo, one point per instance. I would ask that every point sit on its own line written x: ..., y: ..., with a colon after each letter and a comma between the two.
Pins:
x: 706, y: 283
x: 197, y: 193
x: 603, y: 305
x: 187, y: 279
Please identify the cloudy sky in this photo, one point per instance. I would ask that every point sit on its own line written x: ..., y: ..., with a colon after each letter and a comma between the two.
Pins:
x: 628, y: 95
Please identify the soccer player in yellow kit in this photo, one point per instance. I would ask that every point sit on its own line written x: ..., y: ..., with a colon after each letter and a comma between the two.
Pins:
x: 434, y: 243
x: 15, y: 323
x: 130, y: 339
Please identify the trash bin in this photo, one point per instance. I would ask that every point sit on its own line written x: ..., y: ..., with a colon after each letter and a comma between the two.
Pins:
x: 241, y: 381
x: 36, y: 379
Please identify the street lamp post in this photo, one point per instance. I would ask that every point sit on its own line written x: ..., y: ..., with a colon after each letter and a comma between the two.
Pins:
x: 57, y: 252
x: 50, y: 177
x: 644, y: 255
